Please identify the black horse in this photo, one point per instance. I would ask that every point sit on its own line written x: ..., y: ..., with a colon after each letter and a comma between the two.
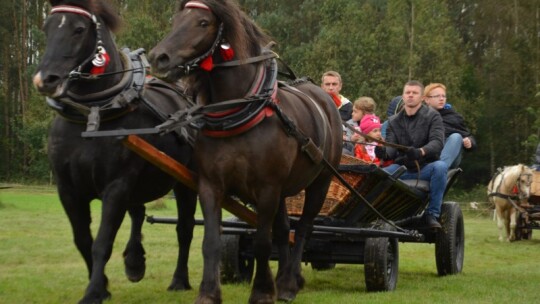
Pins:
x: 260, y: 141
x: 77, y: 74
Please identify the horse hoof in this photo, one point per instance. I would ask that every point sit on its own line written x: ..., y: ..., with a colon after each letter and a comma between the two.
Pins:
x: 135, y: 267
x: 95, y: 298
x: 263, y: 299
x: 286, y: 297
x: 179, y: 285
x: 207, y: 300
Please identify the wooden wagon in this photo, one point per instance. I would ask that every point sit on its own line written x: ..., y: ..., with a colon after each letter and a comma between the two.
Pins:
x: 361, y: 222
x: 348, y: 231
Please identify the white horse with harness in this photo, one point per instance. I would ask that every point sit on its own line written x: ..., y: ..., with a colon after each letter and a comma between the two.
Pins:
x: 507, y: 189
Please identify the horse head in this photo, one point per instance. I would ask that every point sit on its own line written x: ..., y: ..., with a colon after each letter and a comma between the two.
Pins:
x: 524, y: 181
x: 76, y: 43
x: 205, y: 32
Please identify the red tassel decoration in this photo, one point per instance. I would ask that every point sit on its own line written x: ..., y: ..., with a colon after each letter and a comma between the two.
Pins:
x: 100, y: 62
x: 207, y: 64
x: 227, y: 53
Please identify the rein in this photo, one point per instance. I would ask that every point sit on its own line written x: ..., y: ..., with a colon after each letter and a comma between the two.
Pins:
x: 382, y: 142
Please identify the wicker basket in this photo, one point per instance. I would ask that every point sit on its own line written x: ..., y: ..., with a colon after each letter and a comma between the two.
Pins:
x: 337, y: 196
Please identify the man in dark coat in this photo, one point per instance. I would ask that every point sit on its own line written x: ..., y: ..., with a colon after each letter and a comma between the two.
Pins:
x: 421, y: 129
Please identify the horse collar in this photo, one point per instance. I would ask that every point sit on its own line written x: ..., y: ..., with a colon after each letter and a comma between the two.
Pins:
x: 111, y: 103
x: 235, y: 117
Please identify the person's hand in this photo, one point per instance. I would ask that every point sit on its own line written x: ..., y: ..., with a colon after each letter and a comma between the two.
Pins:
x: 467, y: 144
x: 380, y: 152
x: 414, y: 154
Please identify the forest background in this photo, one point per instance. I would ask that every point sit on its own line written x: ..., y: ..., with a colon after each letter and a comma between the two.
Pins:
x: 487, y: 52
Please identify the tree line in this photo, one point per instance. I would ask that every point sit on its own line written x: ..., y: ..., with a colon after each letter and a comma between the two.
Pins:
x: 487, y: 53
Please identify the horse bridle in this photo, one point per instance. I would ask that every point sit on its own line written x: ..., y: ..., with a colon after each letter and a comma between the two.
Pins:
x: 98, y: 48
x: 518, y: 183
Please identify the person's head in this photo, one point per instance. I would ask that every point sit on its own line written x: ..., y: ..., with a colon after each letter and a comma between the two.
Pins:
x: 435, y: 95
x: 331, y: 82
x: 413, y: 92
x: 371, y: 125
x: 362, y: 106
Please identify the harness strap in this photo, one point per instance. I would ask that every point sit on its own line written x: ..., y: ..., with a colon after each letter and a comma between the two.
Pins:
x: 246, y: 61
x: 502, y: 195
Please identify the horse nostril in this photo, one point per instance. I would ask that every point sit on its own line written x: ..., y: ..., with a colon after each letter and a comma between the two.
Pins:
x: 162, y: 61
x: 51, y: 80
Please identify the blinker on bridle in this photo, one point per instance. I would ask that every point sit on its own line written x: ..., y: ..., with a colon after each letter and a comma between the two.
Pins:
x: 99, y: 49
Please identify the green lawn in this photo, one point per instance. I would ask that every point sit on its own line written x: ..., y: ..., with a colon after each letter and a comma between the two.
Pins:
x: 40, y: 264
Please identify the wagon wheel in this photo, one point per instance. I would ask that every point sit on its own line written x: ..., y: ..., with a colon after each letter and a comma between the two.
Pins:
x: 450, y: 243
x: 236, y: 265
x: 522, y: 231
x: 381, y: 262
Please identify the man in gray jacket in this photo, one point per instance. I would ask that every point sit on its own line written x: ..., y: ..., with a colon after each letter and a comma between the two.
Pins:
x: 421, y: 129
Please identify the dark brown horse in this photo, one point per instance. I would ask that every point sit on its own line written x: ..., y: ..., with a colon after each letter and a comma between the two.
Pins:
x: 70, y: 75
x: 254, y: 138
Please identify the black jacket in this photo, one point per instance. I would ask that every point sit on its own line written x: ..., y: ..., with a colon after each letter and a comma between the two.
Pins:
x: 424, y: 129
x: 454, y: 123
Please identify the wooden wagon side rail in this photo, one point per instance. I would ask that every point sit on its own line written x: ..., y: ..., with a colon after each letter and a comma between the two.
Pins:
x: 183, y: 174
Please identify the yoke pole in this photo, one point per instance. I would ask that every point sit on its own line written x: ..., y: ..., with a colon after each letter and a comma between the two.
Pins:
x: 183, y: 174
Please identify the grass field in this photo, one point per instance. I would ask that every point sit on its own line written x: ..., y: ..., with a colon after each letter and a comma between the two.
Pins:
x: 40, y: 264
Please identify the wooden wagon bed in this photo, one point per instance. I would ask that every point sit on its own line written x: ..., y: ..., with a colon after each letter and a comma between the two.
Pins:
x: 393, y: 198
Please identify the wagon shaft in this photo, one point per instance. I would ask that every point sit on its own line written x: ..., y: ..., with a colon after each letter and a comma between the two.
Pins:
x: 183, y: 174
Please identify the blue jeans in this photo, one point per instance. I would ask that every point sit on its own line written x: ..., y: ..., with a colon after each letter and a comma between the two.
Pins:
x: 435, y: 174
x: 453, y: 148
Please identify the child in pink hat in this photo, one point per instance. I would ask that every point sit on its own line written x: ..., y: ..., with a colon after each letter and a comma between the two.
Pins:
x: 371, y: 126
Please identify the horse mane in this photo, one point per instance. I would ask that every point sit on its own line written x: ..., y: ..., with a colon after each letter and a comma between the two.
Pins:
x: 98, y: 7
x: 244, y: 35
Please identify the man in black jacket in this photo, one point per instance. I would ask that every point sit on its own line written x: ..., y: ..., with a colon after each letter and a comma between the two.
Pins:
x: 457, y: 135
x: 421, y: 129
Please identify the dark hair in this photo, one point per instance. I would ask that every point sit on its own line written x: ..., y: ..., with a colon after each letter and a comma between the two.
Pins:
x: 415, y: 83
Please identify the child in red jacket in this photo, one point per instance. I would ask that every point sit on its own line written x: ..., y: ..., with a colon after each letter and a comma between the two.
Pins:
x: 370, y: 125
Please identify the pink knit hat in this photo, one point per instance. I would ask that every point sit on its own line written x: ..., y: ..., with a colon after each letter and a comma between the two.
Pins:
x: 369, y: 122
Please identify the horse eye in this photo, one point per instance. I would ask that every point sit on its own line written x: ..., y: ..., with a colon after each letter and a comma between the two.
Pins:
x: 79, y: 30
x: 204, y: 23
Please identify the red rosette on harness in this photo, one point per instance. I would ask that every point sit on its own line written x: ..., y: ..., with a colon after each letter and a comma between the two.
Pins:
x: 100, y: 62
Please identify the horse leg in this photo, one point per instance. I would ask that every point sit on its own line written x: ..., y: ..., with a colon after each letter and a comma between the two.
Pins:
x: 506, y: 219
x: 113, y: 211
x: 291, y: 280
x: 210, y: 289
x: 500, y: 221
x: 281, y: 230
x: 264, y: 290
x: 78, y: 213
x: 134, y: 260
x: 513, y: 224
x: 186, y: 204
